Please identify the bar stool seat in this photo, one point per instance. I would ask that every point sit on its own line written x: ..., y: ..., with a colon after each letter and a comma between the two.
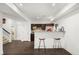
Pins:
x: 57, y: 43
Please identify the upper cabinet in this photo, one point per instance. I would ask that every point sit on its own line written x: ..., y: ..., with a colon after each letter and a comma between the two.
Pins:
x: 42, y: 27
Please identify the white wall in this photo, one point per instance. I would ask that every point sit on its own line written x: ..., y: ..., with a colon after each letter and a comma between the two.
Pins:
x: 1, y: 35
x: 1, y: 41
x: 23, y: 30
x: 8, y: 24
x: 71, y: 39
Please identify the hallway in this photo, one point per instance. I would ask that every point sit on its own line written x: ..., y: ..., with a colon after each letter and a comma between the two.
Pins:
x: 26, y: 48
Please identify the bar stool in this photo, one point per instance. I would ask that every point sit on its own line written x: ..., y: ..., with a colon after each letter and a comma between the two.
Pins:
x: 42, y: 40
x: 42, y: 51
x: 57, y: 43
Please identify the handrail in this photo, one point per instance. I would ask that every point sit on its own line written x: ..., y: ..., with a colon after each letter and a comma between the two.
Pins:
x: 6, y: 31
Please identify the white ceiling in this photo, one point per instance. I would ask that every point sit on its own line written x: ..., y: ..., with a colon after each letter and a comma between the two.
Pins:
x: 38, y: 11
x: 7, y: 11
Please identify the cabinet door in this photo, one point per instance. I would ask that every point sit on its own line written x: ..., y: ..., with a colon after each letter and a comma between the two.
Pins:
x: 32, y: 37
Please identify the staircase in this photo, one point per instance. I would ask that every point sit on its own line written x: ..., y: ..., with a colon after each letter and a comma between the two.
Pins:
x: 6, y: 36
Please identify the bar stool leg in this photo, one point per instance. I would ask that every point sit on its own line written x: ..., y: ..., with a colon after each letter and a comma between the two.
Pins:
x: 39, y: 44
x: 54, y: 44
x: 44, y: 46
x: 60, y: 44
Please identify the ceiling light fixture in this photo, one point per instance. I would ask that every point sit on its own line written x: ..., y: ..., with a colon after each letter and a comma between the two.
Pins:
x: 21, y: 4
x: 52, y: 19
x: 53, y: 4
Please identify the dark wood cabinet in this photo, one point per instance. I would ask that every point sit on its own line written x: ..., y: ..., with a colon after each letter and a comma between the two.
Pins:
x: 32, y: 36
x: 42, y: 26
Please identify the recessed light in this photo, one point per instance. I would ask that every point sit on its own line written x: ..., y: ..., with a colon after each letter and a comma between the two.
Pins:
x: 52, y: 19
x: 21, y: 4
x: 53, y: 4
